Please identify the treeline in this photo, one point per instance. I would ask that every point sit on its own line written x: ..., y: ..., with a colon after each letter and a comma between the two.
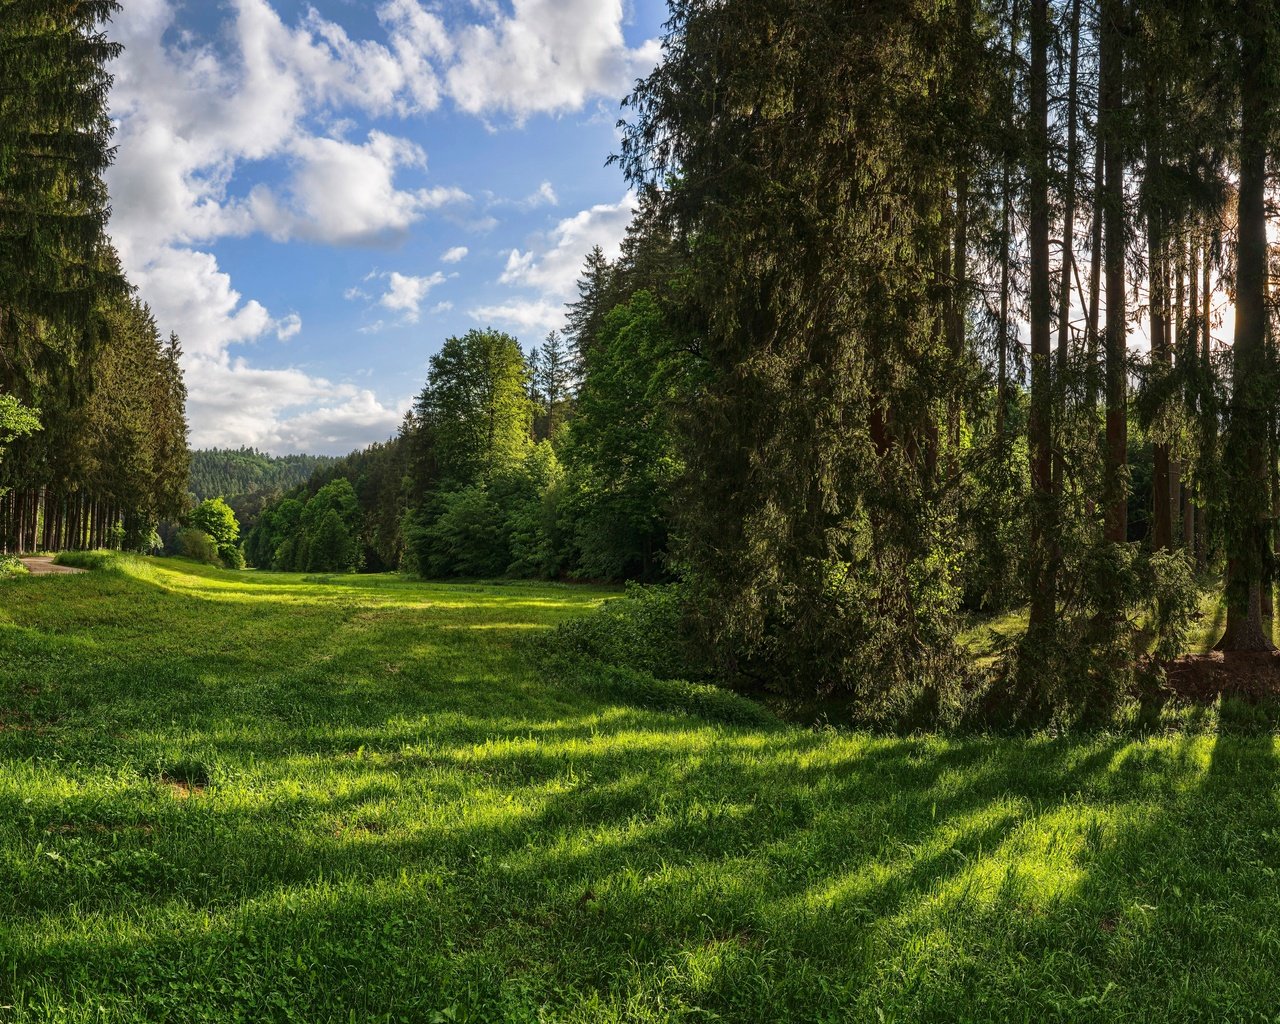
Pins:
x: 92, y: 401
x: 231, y: 472
x: 556, y: 463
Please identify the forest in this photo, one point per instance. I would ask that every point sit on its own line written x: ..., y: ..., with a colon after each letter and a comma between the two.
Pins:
x: 92, y: 401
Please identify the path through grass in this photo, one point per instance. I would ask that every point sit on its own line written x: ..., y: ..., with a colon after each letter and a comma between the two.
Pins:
x: 282, y: 798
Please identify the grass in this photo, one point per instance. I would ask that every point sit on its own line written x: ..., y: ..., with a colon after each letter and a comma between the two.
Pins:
x: 248, y: 797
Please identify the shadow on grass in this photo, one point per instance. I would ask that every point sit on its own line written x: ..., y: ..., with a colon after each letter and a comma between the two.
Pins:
x: 405, y: 822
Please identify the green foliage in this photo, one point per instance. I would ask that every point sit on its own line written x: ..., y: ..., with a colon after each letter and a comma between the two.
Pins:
x: 475, y: 408
x: 198, y: 546
x: 330, y: 546
x: 238, y: 472
x: 642, y: 631
x: 465, y: 537
x: 16, y: 420
x: 1125, y: 613
x: 507, y: 525
x: 621, y: 448
x: 10, y: 567
x: 315, y: 535
x: 214, y: 517
x: 120, y: 564
x: 814, y: 532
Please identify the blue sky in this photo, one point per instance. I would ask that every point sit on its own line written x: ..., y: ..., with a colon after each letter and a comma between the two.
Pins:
x: 315, y: 195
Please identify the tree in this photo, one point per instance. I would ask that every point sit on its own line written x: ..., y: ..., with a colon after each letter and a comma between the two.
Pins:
x: 332, y: 547
x: 1042, y: 586
x: 54, y: 147
x: 553, y: 379
x: 621, y: 447
x: 1111, y: 137
x: 595, y: 299
x: 475, y: 407
x: 813, y: 528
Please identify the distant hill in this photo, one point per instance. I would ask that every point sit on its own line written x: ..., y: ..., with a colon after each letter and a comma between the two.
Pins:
x: 234, y: 472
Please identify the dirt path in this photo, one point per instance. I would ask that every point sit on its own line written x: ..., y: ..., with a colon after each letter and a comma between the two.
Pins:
x: 43, y: 566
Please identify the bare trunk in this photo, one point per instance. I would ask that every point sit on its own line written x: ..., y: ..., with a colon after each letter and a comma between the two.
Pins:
x: 1117, y: 512
x: 1042, y: 584
x: 1248, y: 500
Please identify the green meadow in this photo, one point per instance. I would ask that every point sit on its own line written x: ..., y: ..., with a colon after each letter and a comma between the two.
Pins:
x: 252, y: 797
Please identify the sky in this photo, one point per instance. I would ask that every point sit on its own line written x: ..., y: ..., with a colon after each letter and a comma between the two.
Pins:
x: 314, y: 196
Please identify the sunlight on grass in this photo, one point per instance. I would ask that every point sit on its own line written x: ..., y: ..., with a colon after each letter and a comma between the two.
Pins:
x: 224, y: 795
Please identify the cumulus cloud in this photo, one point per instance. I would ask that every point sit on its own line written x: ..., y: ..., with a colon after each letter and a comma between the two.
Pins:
x: 527, y: 315
x: 546, y: 56
x: 289, y: 327
x: 341, y: 192
x: 455, y: 255
x: 284, y: 410
x: 551, y: 268
x: 405, y: 294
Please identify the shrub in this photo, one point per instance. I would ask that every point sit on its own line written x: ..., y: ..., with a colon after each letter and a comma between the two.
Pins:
x: 198, y: 546
x: 640, y: 631
x: 10, y: 567
x: 231, y: 555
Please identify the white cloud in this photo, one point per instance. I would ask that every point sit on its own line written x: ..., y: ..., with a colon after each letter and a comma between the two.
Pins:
x: 547, y: 56
x: 441, y: 307
x: 529, y: 315
x: 545, y: 195
x: 191, y: 295
x: 455, y: 255
x: 552, y: 268
x: 405, y: 294
x: 555, y: 269
x: 341, y: 192
x: 283, y: 410
x: 289, y: 327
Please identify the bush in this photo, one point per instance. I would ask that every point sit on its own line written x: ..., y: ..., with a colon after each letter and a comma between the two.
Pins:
x: 231, y: 555
x: 198, y: 546
x: 640, y: 631
x: 10, y: 567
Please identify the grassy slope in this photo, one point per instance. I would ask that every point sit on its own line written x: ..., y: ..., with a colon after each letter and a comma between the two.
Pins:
x: 404, y: 822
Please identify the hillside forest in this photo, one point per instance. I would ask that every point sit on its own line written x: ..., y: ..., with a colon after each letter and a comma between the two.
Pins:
x: 928, y: 311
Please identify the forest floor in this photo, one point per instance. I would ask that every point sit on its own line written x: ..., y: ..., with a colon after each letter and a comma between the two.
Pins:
x: 240, y: 796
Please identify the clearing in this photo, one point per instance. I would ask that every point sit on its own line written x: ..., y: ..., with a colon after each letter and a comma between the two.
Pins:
x: 241, y: 796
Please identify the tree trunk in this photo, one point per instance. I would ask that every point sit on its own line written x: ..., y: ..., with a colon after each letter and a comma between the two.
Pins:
x: 1068, y: 242
x: 1162, y: 518
x: 1112, y: 13
x: 1248, y: 500
x: 1042, y: 589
